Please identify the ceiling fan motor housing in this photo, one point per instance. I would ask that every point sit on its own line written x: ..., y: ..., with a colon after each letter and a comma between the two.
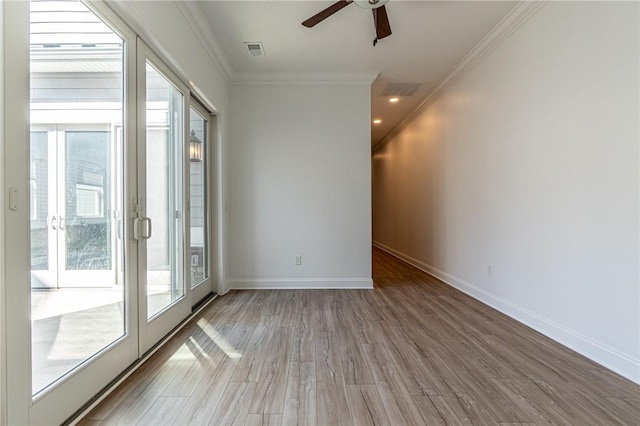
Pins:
x: 380, y: 18
x: 370, y: 4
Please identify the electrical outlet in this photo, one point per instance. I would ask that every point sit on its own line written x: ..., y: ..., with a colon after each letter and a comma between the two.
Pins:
x: 297, y: 259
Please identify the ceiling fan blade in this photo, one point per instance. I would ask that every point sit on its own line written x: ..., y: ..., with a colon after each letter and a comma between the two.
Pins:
x: 381, y: 21
x: 321, y: 16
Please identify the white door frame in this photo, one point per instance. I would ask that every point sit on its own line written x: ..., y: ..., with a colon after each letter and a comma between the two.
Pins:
x: 205, y: 287
x: 153, y: 329
x: 3, y: 346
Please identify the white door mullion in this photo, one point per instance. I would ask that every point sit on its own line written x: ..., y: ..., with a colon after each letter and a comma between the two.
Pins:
x: 16, y: 302
x: 61, y: 195
x: 52, y: 219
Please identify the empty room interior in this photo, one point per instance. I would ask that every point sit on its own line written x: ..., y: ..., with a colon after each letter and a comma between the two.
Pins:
x: 354, y: 212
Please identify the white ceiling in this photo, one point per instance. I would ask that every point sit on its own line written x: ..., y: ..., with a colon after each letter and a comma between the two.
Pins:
x: 429, y: 38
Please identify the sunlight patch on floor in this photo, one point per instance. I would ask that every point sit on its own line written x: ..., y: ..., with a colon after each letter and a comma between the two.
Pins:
x: 219, y: 340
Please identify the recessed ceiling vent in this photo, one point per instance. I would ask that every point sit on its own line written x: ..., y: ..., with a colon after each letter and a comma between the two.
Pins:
x: 400, y: 89
x: 254, y: 48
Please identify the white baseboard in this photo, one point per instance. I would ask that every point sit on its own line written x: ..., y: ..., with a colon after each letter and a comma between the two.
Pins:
x: 224, y: 288
x: 608, y: 357
x: 300, y: 283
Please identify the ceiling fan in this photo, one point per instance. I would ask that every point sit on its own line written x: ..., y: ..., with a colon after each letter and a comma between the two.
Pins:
x: 380, y: 18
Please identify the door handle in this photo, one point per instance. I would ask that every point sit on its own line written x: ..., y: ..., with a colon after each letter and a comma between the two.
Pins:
x: 136, y: 228
x: 137, y: 235
x: 54, y: 223
x: 61, y: 223
x: 118, y: 224
x: 119, y: 228
x: 147, y: 220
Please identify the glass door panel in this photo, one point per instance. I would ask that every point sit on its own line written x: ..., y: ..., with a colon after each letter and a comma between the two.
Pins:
x: 199, y: 202
x: 87, y: 224
x: 43, y: 264
x: 86, y: 246
x: 163, y: 194
x: 77, y: 294
x: 198, y: 197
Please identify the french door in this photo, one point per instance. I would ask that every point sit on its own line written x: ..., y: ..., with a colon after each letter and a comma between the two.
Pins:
x: 114, y: 256
x: 76, y: 206
x: 72, y: 319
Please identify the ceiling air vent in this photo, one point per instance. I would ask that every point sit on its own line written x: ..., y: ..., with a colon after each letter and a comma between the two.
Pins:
x: 400, y: 89
x: 254, y: 48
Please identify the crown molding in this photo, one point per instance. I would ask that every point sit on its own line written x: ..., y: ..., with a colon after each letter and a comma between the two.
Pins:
x: 131, y: 13
x: 520, y: 14
x: 195, y: 17
x: 304, y: 78
x: 137, y: 21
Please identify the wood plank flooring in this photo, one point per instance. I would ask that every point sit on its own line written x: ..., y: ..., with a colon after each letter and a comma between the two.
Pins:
x: 411, y: 352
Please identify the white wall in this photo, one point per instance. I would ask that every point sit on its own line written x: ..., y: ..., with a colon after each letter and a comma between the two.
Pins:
x: 300, y: 184
x: 530, y: 165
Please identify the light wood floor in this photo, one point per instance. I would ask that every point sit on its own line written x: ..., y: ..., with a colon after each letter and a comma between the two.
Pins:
x: 413, y: 351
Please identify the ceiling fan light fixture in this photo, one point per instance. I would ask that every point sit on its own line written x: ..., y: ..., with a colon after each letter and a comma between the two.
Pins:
x: 370, y: 4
